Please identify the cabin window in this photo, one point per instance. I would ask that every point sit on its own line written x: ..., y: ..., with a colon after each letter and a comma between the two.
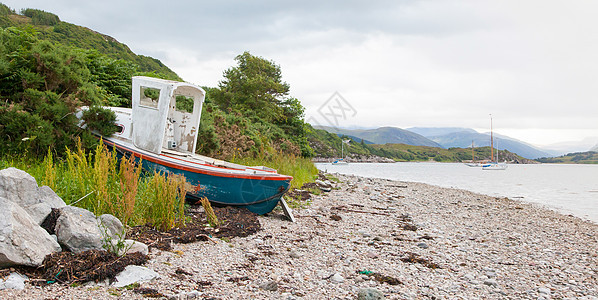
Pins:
x: 149, y: 97
x: 184, y: 103
x: 120, y: 129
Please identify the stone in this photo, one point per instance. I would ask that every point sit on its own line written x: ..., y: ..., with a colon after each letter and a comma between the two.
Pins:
x: 490, y: 274
x: 77, y: 229
x: 544, y: 290
x: 490, y: 282
x: 370, y: 294
x: 18, y: 186
x: 38, y: 212
x: 130, y: 246
x: 21, y: 188
x: 294, y: 254
x: 134, y: 274
x: 22, y: 240
x: 111, y: 226
x: 271, y: 285
x: 193, y: 294
x: 422, y: 245
x: 364, y: 233
x: 14, y: 281
x: 48, y: 196
x: 469, y: 276
x: 337, y: 278
x: 325, y: 189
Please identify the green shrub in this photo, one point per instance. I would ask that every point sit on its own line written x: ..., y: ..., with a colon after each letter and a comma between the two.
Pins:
x: 101, y: 120
x: 40, y: 17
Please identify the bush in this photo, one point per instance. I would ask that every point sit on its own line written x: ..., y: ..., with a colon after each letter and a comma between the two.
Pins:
x: 40, y: 17
x: 101, y: 120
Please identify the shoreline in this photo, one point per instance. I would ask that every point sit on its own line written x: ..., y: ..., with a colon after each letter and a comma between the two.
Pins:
x: 526, y: 196
x: 484, y: 247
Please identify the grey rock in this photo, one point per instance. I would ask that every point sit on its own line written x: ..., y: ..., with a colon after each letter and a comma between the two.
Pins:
x: 14, y: 281
x: 48, y: 196
x: 193, y: 294
x: 294, y: 254
x: 269, y: 285
x: 490, y: 282
x: 18, y: 186
x: 469, y: 276
x: 22, y: 241
x: 325, y: 189
x: 364, y: 233
x: 21, y: 188
x: 38, y: 212
x: 337, y: 278
x: 544, y: 290
x: 132, y: 274
x: 422, y: 245
x: 77, y: 229
x: 370, y: 294
x: 129, y: 246
x: 47, y: 199
x: 111, y: 226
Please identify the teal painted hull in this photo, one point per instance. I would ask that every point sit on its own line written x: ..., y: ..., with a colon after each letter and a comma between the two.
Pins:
x: 258, y: 193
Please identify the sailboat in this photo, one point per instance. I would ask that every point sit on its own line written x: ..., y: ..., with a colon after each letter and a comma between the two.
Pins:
x: 494, y: 164
x: 342, y: 161
x: 473, y: 163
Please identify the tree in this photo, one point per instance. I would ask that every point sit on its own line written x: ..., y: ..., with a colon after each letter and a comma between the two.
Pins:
x: 255, y: 86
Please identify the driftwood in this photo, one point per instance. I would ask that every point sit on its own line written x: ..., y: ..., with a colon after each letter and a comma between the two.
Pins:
x: 344, y: 208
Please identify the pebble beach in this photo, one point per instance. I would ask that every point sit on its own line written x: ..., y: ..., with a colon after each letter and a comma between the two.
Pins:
x: 383, y: 238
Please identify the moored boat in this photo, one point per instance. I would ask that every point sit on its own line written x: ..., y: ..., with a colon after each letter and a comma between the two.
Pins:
x: 493, y: 164
x: 160, y: 131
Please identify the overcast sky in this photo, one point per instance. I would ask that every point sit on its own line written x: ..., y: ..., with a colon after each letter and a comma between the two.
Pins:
x: 531, y: 64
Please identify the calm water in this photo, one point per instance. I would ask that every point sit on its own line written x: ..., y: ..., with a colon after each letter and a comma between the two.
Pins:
x: 572, y: 189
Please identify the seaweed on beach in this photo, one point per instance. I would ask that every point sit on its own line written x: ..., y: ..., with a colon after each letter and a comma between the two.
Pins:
x: 90, y: 265
x: 148, y: 292
x: 235, y: 222
x: 415, y: 258
x: 381, y: 278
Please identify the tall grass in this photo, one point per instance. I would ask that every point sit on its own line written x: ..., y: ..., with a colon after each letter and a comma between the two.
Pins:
x: 302, y: 169
x: 99, y: 183
x: 163, y: 201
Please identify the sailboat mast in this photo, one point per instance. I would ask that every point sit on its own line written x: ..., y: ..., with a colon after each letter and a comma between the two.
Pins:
x: 491, y: 141
x: 472, y: 156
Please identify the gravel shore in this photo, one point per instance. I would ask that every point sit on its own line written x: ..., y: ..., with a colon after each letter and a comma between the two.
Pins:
x: 405, y: 240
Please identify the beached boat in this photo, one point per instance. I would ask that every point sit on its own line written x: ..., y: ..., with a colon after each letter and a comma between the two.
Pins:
x: 160, y: 130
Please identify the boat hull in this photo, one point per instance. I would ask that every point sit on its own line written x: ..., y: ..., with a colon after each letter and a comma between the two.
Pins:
x: 258, y: 193
x: 494, y: 166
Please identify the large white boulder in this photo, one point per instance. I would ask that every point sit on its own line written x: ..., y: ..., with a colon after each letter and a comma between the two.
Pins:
x: 22, y: 240
x: 111, y: 226
x: 18, y: 187
x: 77, y: 229
x: 21, y: 188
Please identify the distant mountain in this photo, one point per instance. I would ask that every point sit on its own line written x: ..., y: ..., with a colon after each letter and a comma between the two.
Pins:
x: 437, y: 131
x: 595, y: 148
x: 384, y: 135
x: 572, y: 146
x: 463, y: 139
